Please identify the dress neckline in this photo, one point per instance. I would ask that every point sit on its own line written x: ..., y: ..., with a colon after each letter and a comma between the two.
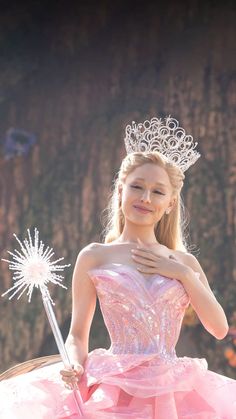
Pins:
x: 132, y: 268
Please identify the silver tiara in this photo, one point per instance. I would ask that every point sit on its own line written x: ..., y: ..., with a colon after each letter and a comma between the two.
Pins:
x: 168, y: 138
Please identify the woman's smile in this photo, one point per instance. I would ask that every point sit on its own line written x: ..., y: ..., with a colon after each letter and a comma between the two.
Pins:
x: 142, y: 210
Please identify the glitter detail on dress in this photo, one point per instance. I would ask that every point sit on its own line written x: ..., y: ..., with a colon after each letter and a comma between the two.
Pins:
x: 145, y: 316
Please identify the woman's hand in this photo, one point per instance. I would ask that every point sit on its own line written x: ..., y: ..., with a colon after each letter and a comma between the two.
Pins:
x: 149, y: 262
x: 72, y: 376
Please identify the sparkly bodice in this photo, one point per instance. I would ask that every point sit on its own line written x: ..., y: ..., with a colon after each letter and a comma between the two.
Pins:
x: 142, y: 314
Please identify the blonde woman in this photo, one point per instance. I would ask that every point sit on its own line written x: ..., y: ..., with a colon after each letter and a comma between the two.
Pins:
x: 145, y: 278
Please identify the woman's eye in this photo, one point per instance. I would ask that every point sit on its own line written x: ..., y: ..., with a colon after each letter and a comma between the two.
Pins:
x: 139, y: 187
x: 159, y: 192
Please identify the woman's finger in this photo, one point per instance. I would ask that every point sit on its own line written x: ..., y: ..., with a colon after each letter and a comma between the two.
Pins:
x: 72, y: 376
x: 67, y: 372
x: 77, y: 370
x: 146, y: 253
x: 148, y: 262
x: 71, y: 383
x: 69, y: 379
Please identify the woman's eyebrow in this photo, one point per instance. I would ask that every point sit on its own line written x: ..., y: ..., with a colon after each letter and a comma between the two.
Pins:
x: 156, y: 183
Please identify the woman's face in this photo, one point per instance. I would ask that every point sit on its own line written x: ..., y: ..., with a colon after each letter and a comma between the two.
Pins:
x: 147, y: 186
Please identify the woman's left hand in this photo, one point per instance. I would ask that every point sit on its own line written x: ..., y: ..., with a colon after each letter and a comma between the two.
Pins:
x: 149, y: 262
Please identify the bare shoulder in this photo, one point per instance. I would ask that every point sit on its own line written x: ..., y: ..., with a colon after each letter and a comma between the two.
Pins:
x: 88, y: 257
x: 187, y: 258
x: 190, y: 260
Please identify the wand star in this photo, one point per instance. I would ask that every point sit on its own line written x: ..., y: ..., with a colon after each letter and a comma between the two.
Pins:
x: 33, y: 267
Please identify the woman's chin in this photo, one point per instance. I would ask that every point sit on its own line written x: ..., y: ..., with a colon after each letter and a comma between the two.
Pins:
x: 143, y: 220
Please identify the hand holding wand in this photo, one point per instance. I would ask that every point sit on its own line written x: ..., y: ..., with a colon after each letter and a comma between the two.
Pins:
x: 33, y: 268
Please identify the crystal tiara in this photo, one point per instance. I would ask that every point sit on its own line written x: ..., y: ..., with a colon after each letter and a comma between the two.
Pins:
x: 168, y: 138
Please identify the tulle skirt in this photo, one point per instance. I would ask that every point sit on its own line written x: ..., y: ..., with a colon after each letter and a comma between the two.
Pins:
x: 116, y: 386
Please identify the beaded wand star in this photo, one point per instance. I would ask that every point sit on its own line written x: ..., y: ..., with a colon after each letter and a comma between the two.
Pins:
x: 33, y: 268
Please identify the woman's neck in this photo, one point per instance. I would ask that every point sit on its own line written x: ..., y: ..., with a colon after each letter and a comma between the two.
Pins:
x: 135, y: 240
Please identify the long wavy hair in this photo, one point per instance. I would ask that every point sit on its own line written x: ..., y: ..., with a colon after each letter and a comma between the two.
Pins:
x: 169, y: 230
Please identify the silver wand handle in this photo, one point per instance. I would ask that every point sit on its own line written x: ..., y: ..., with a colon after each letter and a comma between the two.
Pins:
x: 61, y: 347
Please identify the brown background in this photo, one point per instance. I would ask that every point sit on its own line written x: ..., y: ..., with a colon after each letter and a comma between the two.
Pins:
x: 75, y: 74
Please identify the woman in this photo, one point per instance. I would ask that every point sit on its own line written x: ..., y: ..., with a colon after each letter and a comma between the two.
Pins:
x: 144, y: 279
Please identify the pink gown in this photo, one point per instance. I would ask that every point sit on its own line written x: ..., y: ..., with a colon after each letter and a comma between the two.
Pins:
x: 140, y: 375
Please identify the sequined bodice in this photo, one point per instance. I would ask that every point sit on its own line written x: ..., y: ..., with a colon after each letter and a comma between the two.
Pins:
x: 142, y: 314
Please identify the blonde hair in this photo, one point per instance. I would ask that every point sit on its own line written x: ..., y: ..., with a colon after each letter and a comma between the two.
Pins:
x: 169, y: 231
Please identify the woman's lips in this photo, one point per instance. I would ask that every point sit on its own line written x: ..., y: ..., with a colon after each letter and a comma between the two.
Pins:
x: 143, y: 211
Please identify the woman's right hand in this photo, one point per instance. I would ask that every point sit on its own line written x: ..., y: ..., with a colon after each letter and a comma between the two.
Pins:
x: 71, y: 376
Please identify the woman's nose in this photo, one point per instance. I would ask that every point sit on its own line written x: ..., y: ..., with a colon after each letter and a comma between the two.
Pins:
x: 146, y: 196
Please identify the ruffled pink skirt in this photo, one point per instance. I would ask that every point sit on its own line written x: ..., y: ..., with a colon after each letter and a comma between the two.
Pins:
x: 130, y: 386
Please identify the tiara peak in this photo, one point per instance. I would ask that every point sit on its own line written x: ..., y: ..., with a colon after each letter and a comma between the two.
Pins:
x: 166, y: 137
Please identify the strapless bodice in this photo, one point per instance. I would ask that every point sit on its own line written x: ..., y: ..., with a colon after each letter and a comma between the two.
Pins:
x: 142, y: 314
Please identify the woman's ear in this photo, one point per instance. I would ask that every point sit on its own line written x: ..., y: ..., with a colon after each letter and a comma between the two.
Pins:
x: 172, y: 204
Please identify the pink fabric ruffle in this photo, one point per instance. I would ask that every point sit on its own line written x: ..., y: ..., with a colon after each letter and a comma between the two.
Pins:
x: 125, y: 386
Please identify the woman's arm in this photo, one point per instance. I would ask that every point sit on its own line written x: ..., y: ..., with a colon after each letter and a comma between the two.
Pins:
x: 83, y: 306
x: 209, y: 311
